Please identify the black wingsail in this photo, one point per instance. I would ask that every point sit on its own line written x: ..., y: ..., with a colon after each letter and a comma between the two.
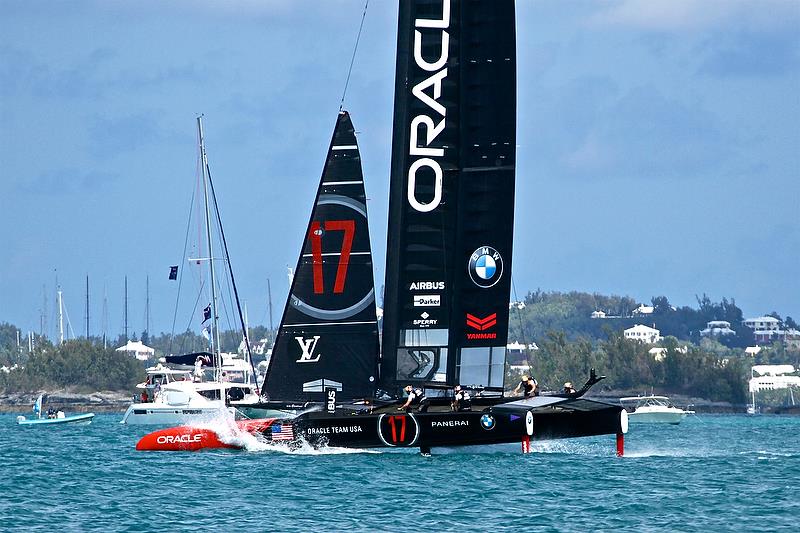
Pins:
x: 451, y: 205
x: 328, y: 336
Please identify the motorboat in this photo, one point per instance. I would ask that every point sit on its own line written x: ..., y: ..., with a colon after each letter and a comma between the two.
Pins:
x: 53, y: 416
x: 653, y: 410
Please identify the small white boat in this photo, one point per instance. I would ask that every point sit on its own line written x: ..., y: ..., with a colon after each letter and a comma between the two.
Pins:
x: 53, y: 417
x: 653, y: 410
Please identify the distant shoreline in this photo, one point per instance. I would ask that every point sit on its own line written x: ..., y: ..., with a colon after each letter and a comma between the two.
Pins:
x: 118, y: 402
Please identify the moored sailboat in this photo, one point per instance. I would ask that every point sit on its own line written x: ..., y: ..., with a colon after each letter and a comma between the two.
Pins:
x: 175, y: 396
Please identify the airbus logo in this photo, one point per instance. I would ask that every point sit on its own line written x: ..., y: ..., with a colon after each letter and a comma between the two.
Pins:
x: 308, y: 346
x: 427, y: 286
x: 485, y: 267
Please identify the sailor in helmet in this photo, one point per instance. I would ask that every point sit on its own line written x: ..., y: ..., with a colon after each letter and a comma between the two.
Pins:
x: 528, y: 385
x: 416, y: 397
x: 461, y: 399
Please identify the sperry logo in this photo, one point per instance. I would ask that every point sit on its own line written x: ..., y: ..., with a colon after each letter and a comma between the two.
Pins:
x: 432, y: 83
x: 308, y: 346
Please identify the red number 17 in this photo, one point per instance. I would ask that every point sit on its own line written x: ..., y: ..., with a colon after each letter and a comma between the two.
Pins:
x: 315, y: 234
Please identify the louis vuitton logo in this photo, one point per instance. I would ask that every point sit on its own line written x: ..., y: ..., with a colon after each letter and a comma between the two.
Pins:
x: 308, y: 346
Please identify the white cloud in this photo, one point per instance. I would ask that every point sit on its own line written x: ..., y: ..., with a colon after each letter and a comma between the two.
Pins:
x: 690, y: 15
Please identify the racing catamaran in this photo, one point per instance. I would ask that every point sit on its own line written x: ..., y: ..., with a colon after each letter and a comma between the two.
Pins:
x: 448, y: 265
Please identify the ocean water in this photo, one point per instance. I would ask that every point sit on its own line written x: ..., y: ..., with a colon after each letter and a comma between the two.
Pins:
x: 711, y: 473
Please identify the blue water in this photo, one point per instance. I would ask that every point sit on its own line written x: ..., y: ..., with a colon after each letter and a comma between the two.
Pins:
x: 714, y: 473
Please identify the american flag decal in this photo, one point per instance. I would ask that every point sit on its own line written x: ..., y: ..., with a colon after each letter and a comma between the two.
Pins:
x: 282, y: 432
x: 481, y: 323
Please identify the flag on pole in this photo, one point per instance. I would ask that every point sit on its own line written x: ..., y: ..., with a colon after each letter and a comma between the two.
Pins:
x: 207, y: 313
x: 173, y: 272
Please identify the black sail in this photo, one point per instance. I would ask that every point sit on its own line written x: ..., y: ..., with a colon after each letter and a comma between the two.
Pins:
x: 451, y: 204
x: 329, y: 335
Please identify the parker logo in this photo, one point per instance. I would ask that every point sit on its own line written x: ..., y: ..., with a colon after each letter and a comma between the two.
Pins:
x: 426, y: 286
x: 425, y: 321
x: 308, y: 346
x: 427, y: 300
x: 481, y: 324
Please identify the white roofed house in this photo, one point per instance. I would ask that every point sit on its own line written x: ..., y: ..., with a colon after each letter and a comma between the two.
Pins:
x: 644, y: 334
x: 138, y: 350
x: 717, y: 328
x: 767, y: 329
x: 643, y: 310
x: 516, y: 355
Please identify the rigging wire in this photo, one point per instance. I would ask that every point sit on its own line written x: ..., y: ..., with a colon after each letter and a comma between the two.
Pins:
x: 233, y: 280
x: 353, y: 58
x: 521, y: 326
x: 181, y: 267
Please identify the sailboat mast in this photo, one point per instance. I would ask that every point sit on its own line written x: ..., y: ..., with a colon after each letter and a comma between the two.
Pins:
x: 87, y: 306
x: 126, y: 310
x: 147, y: 306
x: 60, y: 317
x: 215, y: 344
x: 269, y: 297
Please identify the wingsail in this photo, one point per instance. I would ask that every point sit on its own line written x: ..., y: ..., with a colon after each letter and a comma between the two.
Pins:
x: 451, y: 206
x: 328, y: 337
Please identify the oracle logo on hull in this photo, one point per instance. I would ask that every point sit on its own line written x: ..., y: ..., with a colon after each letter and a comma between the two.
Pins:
x: 423, y: 127
x: 178, y: 439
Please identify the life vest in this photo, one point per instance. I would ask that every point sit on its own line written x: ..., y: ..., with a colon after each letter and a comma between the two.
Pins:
x: 419, y: 394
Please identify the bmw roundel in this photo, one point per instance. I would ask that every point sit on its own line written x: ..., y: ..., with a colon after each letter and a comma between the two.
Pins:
x: 485, y: 267
x: 487, y: 422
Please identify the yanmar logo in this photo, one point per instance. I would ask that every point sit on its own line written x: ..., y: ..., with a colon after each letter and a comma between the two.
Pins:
x: 423, y: 129
x: 481, y: 324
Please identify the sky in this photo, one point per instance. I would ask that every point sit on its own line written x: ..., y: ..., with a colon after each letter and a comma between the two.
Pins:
x: 658, y: 146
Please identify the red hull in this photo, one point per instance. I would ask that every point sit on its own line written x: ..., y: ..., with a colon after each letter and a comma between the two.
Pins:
x: 192, y: 439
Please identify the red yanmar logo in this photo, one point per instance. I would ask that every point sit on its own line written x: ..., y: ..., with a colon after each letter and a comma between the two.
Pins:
x: 481, y: 324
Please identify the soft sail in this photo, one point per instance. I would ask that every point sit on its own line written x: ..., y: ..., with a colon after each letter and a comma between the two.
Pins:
x: 328, y: 338
x: 451, y: 207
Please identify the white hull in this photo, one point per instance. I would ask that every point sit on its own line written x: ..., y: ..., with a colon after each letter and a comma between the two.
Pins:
x: 657, y: 417
x: 171, y: 415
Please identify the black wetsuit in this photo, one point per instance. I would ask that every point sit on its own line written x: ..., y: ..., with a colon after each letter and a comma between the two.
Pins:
x: 418, y: 398
x: 531, y: 388
x: 463, y: 401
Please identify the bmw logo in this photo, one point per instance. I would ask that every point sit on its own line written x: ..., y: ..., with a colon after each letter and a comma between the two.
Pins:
x: 485, y: 267
x: 487, y: 422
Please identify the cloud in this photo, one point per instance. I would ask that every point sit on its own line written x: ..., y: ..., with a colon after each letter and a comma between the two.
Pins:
x: 751, y: 55
x: 645, y: 134
x: 65, y: 181
x: 110, y: 136
x: 693, y: 15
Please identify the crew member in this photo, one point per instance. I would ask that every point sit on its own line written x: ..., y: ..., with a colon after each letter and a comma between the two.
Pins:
x: 528, y: 385
x: 568, y: 388
x: 461, y: 400
x: 416, y: 397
